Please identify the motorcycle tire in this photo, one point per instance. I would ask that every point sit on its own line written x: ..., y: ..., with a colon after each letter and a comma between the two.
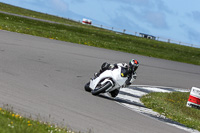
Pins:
x: 114, y: 93
x: 87, y: 88
x: 101, y: 89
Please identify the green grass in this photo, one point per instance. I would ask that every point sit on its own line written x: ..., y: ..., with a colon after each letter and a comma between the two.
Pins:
x: 173, y: 106
x: 93, y: 36
x: 101, y: 38
x: 14, y: 123
x: 25, y: 12
x: 34, y: 14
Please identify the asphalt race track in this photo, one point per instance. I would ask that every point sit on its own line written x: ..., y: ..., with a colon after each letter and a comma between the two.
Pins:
x: 46, y: 78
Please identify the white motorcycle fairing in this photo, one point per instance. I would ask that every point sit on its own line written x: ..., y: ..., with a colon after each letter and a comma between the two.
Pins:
x: 112, y: 76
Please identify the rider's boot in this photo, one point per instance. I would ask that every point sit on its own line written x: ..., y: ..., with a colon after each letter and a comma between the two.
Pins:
x: 114, y: 93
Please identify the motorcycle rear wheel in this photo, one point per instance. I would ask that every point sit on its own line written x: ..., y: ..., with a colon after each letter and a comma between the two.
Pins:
x: 101, y: 89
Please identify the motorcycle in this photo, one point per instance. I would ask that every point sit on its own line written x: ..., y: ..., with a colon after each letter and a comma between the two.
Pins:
x: 110, y: 81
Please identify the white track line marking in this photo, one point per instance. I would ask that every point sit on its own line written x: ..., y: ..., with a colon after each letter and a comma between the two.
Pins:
x: 130, y: 98
x: 134, y: 92
x: 153, y: 89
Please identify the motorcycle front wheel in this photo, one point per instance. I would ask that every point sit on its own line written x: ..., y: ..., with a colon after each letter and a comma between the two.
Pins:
x: 101, y: 89
x: 87, y: 88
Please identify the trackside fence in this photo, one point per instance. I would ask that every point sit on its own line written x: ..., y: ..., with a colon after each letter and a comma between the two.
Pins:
x: 124, y: 31
x: 117, y: 30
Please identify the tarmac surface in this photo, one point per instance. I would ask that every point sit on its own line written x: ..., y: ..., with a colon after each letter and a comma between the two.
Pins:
x: 45, y: 78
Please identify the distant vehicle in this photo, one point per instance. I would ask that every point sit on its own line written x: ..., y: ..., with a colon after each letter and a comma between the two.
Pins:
x: 147, y: 36
x: 86, y: 21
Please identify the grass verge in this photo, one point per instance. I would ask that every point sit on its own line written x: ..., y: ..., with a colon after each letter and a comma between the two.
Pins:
x: 14, y: 123
x: 173, y: 106
x: 92, y: 36
x: 101, y: 38
x: 25, y: 12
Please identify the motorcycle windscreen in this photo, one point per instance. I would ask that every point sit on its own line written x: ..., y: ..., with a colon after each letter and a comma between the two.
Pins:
x: 124, y: 72
x: 118, y: 78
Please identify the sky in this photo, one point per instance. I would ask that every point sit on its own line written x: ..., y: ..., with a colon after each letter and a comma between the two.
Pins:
x: 171, y: 19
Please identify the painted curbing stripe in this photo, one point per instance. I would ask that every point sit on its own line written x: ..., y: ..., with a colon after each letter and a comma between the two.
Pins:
x: 163, y: 87
x: 140, y: 109
x: 129, y: 94
x: 132, y: 99
x: 152, y: 89
x: 133, y: 92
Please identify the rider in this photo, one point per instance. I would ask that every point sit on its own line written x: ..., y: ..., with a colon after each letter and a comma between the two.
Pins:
x: 127, y: 71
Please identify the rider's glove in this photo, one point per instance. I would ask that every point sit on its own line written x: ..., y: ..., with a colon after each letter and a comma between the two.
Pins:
x: 128, y: 83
